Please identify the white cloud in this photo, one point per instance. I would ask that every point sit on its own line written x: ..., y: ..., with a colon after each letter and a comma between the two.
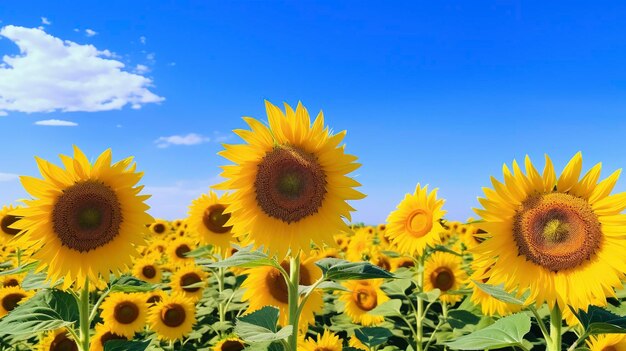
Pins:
x: 172, y: 64
x: 56, y: 123
x: 7, y: 177
x: 90, y: 32
x: 142, y: 69
x: 189, y: 139
x: 150, y: 56
x: 3, y: 113
x: 45, y: 21
x: 142, y: 39
x: 51, y: 74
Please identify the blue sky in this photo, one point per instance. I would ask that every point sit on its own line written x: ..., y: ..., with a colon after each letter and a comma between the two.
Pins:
x: 441, y: 93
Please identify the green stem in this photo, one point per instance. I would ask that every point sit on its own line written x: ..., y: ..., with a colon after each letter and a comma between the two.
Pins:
x: 556, y: 321
x: 19, y: 257
x: 83, y: 311
x: 542, y: 326
x: 294, y: 282
x: 419, y: 315
x: 222, y: 304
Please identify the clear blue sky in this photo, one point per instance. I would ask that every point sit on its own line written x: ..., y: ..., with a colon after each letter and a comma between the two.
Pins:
x: 441, y: 93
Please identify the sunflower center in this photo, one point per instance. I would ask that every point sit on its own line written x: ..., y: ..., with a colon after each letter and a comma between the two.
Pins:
x: 126, y: 312
x: 190, y: 279
x: 173, y: 315
x: 10, y: 301
x: 110, y: 336
x: 182, y: 250
x: 419, y: 223
x: 232, y: 345
x: 214, y: 219
x: 365, y: 298
x: 87, y: 216
x: 159, y: 228
x: 10, y: 282
x: 277, y: 285
x: 557, y: 231
x: 62, y: 343
x: 290, y: 184
x: 383, y: 262
x: 149, y: 271
x: 407, y: 263
x: 153, y: 299
x: 6, y: 222
x: 609, y: 348
x: 442, y: 278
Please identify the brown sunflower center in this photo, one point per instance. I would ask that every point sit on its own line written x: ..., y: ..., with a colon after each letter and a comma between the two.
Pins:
x: 10, y: 282
x: 6, y: 222
x: 87, y: 216
x: 190, y: 278
x: 419, y: 223
x: 323, y: 348
x: 290, y: 184
x: 181, y: 250
x: 442, y: 278
x: 159, y: 228
x: 383, y: 262
x: 173, y: 315
x: 406, y: 263
x: 110, y: 336
x: 10, y: 301
x: 610, y: 348
x: 126, y: 312
x: 62, y: 343
x: 277, y: 285
x: 556, y: 231
x: 154, y: 299
x: 214, y: 219
x: 149, y: 271
x: 365, y: 297
x: 232, y: 345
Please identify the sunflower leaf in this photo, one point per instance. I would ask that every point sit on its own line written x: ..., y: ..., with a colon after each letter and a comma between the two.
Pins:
x: 40, y: 314
x: 344, y: 270
x: 387, y: 308
x: 261, y: 326
x: 130, y: 284
x: 25, y: 268
x: 123, y: 345
x: 373, y: 336
x: 597, y: 320
x: 507, y: 331
x: 246, y: 259
x: 202, y: 251
x: 498, y: 293
x: 460, y: 318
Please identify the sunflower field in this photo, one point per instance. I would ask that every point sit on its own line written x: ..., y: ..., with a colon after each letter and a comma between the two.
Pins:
x: 269, y: 259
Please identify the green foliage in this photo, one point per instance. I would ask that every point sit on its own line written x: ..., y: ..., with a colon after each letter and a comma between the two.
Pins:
x: 600, y: 321
x: 261, y: 326
x: 122, y: 345
x: 507, y: 331
x: 499, y: 293
x: 373, y: 336
x: 336, y: 269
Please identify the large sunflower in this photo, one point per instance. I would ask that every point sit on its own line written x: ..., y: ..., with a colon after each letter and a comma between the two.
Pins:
x: 173, y: 317
x: 607, y: 342
x: 327, y: 341
x: 489, y: 305
x: 289, y: 182
x: 57, y: 340
x: 207, y: 219
x: 363, y: 296
x: 124, y: 313
x: 415, y: 224
x: 443, y: 271
x: 561, y: 239
x: 85, y: 219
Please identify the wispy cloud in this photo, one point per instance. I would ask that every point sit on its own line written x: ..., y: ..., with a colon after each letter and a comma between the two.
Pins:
x: 56, y: 123
x: 45, y: 21
x: 90, y: 32
x: 142, y: 39
x: 187, y: 140
x: 7, y: 177
x: 141, y: 69
x: 51, y: 74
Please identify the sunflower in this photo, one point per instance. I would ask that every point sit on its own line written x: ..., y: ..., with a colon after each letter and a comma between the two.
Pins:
x: 102, y: 335
x: 265, y: 286
x: 177, y: 249
x: 443, y: 271
x: 289, y: 182
x: 86, y: 220
x: 342, y: 240
x: 124, y: 313
x: 173, y: 317
x: 159, y: 227
x: 547, y: 235
x: 57, y: 340
x: 230, y: 344
x: 9, y: 280
x: 363, y: 296
x: 489, y: 305
x: 381, y: 260
x: 327, y: 341
x: 402, y: 262
x: 11, y: 297
x: 147, y: 270
x: 177, y: 223
x: 415, y: 224
x: 7, y: 232
x: 190, y: 281
x: 360, y: 245
x: 357, y: 344
x: 153, y: 297
x: 207, y: 219
x: 607, y: 342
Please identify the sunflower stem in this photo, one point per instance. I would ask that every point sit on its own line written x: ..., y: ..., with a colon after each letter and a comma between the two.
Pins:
x: 419, y: 316
x: 83, y: 312
x: 222, y: 304
x: 556, y: 322
x: 294, y: 282
x: 542, y: 326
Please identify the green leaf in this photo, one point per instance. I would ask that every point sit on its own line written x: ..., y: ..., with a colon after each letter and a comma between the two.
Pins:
x: 600, y: 321
x: 38, y: 314
x: 445, y: 249
x: 460, y: 318
x: 63, y: 303
x: 430, y: 295
x: 202, y: 251
x: 373, y: 336
x: 498, y: 293
x: 246, y: 259
x: 130, y: 284
x: 326, y: 263
x: 25, y: 268
x: 507, y: 331
x: 387, y: 309
x: 396, y: 286
x: 355, y: 270
x: 392, y: 254
x: 123, y: 345
x: 260, y: 326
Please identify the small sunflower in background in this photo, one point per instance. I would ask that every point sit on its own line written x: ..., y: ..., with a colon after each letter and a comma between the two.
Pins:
x: 57, y: 340
x: 124, y: 313
x: 414, y: 225
x: 172, y: 318
x: 177, y: 250
x: 230, y: 344
x: 208, y: 220
x: 154, y: 296
x: 327, y: 341
x: 444, y: 271
x: 85, y: 220
x: 360, y: 245
x: 11, y: 280
x: 147, y: 269
x: 290, y: 182
x: 160, y: 227
x: 363, y: 296
x: 402, y: 262
x: 6, y: 220
x: 186, y: 281
x: 548, y: 234
x: 11, y: 297
x: 102, y: 335
x: 266, y: 286
x: 607, y: 342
